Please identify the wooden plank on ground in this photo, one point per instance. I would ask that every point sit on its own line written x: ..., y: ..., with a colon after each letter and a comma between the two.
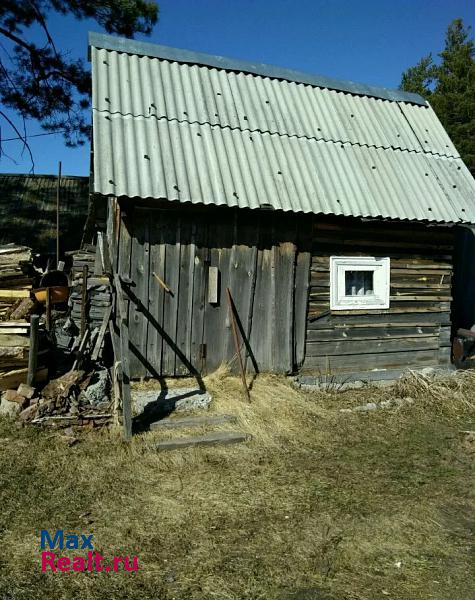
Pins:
x: 200, y: 421
x: 218, y: 438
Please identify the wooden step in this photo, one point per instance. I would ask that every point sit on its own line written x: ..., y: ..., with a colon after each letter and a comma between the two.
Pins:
x: 183, y: 422
x: 210, y: 439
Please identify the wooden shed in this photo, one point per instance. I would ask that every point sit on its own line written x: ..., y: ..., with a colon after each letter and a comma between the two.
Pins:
x: 326, y: 208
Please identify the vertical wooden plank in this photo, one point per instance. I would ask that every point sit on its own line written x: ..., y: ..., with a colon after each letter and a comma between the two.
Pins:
x: 262, y: 332
x: 156, y: 294
x: 124, y: 359
x: 33, y: 350
x: 302, y: 279
x: 139, y: 274
x: 242, y: 276
x: 185, y: 296
x: 200, y: 272
x: 217, y: 330
x: 284, y: 302
x: 170, y: 302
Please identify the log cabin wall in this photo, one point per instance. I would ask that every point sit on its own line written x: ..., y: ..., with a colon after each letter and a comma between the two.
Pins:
x: 263, y: 257
x: 415, y: 331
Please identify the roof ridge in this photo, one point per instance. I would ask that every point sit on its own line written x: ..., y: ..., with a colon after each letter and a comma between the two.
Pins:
x: 128, y: 46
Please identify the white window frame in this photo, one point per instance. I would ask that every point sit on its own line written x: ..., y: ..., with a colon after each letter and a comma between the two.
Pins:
x: 381, y: 272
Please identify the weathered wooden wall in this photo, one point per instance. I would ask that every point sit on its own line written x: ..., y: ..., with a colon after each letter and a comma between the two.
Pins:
x: 263, y: 258
x: 414, y: 331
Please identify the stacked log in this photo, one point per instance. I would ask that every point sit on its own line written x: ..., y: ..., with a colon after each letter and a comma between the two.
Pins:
x: 14, y: 352
x: 98, y: 295
x: 16, y: 277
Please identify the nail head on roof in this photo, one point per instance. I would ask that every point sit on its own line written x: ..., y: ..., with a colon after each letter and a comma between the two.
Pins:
x: 279, y: 172
x: 429, y: 208
x: 146, y: 156
x: 454, y: 186
x: 373, y: 167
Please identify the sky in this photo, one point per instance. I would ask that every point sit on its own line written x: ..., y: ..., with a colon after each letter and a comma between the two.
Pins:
x: 368, y: 41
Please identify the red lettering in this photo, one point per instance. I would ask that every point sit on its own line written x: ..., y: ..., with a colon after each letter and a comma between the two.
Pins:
x: 135, y: 564
x: 97, y: 559
x: 47, y: 560
x: 64, y: 564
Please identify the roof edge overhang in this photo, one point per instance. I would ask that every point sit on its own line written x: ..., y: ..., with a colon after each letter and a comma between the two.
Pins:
x: 177, y: 204
x: 128, y: 46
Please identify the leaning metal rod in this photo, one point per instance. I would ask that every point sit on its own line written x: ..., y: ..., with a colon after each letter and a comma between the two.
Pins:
x: 236, y: 344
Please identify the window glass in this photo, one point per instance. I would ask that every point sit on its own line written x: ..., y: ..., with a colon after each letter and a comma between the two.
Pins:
x: 359, y: 283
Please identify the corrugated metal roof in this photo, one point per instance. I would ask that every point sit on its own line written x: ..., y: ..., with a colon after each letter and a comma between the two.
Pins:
x: 108, y: 42
x: 28, y: 209
x: 206, y: 135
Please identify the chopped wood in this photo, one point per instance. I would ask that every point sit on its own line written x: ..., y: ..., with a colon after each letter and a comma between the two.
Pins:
x: 14, y: 293
x: 24, y: 309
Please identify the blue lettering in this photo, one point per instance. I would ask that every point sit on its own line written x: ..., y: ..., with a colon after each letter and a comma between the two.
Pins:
x: 57, y: 539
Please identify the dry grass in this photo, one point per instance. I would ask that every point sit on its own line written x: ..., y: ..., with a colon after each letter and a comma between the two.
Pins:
x: 321, y: 504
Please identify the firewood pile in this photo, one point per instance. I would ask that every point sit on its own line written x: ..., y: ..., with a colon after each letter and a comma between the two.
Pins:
x: 17, y: 275
x: 81, y: 396
x: 76, y: 398
x: 98, y: 297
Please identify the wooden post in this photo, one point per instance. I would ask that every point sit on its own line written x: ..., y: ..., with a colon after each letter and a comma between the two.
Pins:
x: 33, y: 352
x: 58, y: 187
x: 236, y: 344
x: 48, y: 309
x: 83, y: 301
x: 124, y: 359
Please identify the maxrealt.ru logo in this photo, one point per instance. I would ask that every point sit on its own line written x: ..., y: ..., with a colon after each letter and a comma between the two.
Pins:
x: 91, y: 562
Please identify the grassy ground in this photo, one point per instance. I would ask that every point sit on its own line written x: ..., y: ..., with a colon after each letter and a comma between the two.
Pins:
x: 320, y: 505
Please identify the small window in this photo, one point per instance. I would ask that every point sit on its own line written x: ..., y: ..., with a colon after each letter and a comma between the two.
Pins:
x: 359, y: 282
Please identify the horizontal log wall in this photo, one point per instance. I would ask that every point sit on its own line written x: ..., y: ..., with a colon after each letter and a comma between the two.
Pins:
x: 414, y: 331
